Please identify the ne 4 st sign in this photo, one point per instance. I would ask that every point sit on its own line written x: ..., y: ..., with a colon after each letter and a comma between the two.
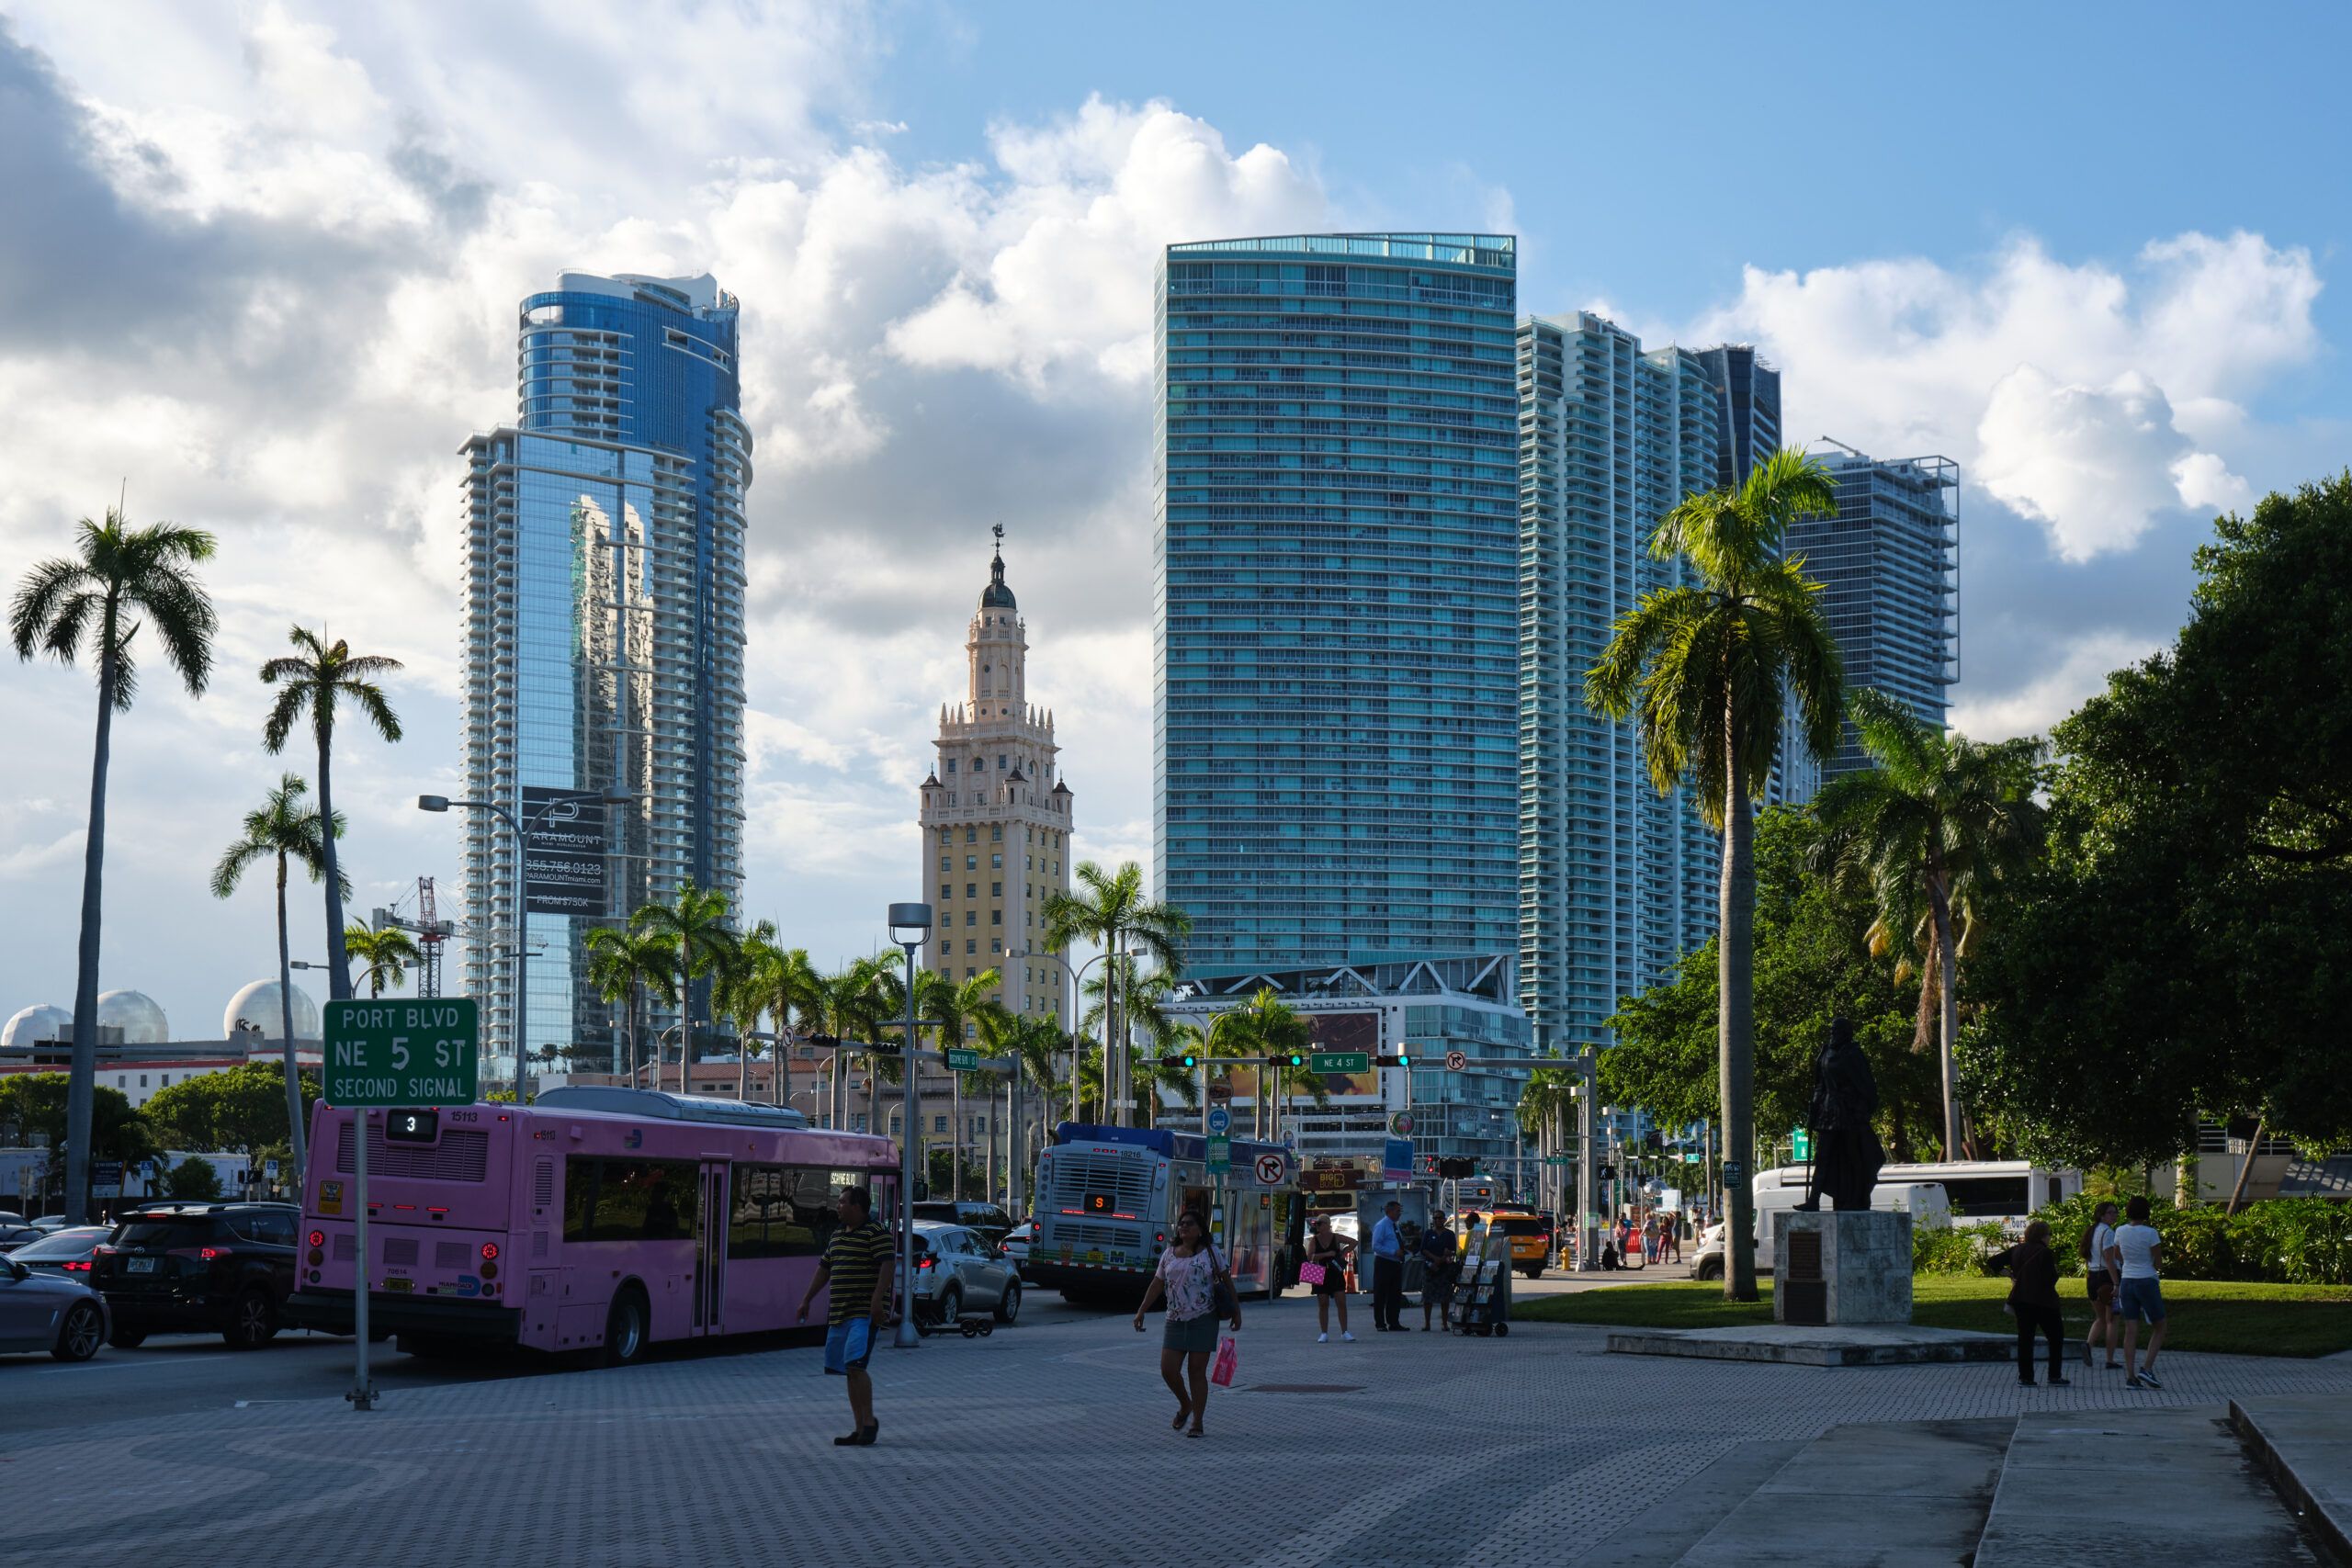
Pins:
x: 404, y: 1053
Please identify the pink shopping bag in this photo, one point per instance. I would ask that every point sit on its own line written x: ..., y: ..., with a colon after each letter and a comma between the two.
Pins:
x: 1228, y: 1358
x: 1310, y: 1273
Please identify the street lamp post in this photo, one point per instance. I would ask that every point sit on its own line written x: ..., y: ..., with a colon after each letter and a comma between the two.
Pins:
x: 1077, y: 981
x: 910, y: 927
x: 438, y: 803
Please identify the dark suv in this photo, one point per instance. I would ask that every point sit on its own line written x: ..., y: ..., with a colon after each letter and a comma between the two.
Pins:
x: 171, y: 1266
x: 985, y: 1218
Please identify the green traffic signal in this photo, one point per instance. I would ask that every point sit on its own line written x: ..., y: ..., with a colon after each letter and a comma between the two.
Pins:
x: 1191, y: 1061
x: 1296, y: 1060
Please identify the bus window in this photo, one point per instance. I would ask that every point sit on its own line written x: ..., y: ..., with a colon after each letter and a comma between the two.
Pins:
x: 629, y: 1199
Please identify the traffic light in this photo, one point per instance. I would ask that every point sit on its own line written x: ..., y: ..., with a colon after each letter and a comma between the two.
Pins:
x: 1190, y: 1061
x: 1403, y: 1058
x: 1298, y: 1059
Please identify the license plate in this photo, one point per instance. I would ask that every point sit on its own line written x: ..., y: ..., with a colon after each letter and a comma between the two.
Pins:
x: 400, y: 1285
x: 141, y: 1266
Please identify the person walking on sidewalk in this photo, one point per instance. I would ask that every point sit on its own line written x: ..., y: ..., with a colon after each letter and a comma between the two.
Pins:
x: 1389, y: 1271
x: 1188, y: 1277
x: 2033, y: 1296
x: 858, y: 1265
x: 1440, y: 1256
x: 1325, y: 1249
x: 2135, y: 1255
x: 2098, y: 1280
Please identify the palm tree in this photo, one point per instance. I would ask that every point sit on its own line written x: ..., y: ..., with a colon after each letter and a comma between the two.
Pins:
x: 1035, y: 1043
x: 285, y: 829
x: 739, y: 991
x: 965, y: 1011
x: 1110, y: 911
x: 317, y: 677
x: 848, y: 1005
x: 1940, y: 820
x: 387, y: 954
x: 785, y: 984
x: 123, y: 580
x: 1545, y: 1103
x: 695, y: 927
x: 1269, y: 1026
x: 623, y: 965
x: 1701, y: 666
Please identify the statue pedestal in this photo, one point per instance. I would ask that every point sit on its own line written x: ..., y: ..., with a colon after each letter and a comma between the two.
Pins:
x: 1842, y: 1266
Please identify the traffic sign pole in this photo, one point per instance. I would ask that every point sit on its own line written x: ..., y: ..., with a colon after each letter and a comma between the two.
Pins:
x: 363, y: 1395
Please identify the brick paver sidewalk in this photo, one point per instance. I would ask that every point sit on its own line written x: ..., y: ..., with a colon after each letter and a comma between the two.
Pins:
x: 1047, y: 1444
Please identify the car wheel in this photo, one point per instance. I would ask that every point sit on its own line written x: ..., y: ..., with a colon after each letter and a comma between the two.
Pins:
x: 1712, y: 1269
x: 253, y: 1321
x: 1534, y: 1273
x: 78, y: 1336
x: 127, y: 1339
x: 1009, y: 1309
x: 951, y: 1304
x: 625, y: 1329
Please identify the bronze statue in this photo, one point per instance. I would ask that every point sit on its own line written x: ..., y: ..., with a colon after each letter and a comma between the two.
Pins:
x: 1846, y: 1153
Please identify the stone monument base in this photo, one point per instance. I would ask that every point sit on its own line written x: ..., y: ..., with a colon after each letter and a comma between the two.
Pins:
x: 1842, y: 1266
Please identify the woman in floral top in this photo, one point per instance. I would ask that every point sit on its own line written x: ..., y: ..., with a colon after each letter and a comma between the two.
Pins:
x: 1187, y: 1277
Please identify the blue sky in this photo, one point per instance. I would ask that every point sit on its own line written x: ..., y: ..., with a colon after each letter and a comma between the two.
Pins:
x: 268, y: 255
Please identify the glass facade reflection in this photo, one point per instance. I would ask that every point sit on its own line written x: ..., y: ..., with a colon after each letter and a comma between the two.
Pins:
x: 1335, y: 563
x: 604, y: 627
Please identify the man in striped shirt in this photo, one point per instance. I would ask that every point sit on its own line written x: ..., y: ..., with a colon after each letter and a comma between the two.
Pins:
x: 858, y: 1265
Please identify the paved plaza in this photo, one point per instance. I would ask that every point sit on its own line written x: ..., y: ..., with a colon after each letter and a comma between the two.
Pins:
x: 1046, y: 1443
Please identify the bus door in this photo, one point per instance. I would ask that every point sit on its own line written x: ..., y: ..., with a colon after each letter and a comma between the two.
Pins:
x: 710, y: 1250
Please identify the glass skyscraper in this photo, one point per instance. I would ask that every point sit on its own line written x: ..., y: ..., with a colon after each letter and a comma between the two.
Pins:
x: 1335, y: 620
x: 604, y: 623
x: 1888, y: 561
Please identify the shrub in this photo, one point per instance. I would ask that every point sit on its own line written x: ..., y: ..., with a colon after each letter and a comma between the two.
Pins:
x: 2283, y: 1241
x: 195, y: 1180
x: 1958, y: 1249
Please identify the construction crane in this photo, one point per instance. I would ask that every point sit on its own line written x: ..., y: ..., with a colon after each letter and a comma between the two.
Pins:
x: 430, y: 930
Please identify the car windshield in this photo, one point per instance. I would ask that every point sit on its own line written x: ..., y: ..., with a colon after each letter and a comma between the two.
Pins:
x: 61, y: 1244
x: 157, y: 1230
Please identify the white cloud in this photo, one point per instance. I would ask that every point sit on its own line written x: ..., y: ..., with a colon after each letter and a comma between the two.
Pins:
x: 2080, y: 670
x: 2087, y: 398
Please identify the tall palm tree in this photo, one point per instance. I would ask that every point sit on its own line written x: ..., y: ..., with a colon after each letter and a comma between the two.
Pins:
x: 849, y: 1005
x: 1701, y: 667
x: 697, y: 929
x: 1546, y: 1102
x: 739, y: 992
x: 788, y: 985
x: 286, y: 829
x: 965, y: 1011
x: 318, y: 677
x: 1110, y: 910
x: 625, y: 965
x: 124, y: 579
x: 387, y: 954
x: 1269, y: 1026
x: 1035, y: 1044
x: 1940, y: 820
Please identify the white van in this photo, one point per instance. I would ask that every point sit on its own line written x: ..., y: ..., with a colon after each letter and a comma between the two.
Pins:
x: 1778, y: 1194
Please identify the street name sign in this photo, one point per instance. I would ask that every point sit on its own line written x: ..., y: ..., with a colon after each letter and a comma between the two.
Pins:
x: 1340, y: 1061
x: 425, y: 1052
x: 962, y: 1061
x: 1801, y: 1145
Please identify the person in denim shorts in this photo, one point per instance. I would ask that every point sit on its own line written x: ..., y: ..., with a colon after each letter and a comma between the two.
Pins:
x: 2135, y: 1255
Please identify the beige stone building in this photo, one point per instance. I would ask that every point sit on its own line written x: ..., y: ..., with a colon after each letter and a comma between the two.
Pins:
x: 996, y: 817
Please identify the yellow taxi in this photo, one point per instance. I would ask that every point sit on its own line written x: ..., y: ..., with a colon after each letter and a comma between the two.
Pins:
x: 1530, y: 1247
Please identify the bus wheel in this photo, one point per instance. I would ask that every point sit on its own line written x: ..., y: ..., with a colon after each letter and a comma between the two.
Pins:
x: 625, y: 1328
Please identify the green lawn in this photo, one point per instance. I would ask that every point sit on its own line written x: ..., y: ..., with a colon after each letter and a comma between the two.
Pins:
x: 2251, y: 1320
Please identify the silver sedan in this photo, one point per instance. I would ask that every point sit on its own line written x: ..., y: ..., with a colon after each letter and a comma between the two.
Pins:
x: 49, y: 1312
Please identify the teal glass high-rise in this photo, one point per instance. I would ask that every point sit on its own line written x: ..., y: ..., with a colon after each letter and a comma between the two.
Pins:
x: 604, y: 624
x: 1335, y: 621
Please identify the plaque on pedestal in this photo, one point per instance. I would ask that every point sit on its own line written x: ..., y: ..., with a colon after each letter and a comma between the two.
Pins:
x: 1841, y: 1266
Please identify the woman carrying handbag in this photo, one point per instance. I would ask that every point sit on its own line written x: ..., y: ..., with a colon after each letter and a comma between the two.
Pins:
x: 1193, y: 1280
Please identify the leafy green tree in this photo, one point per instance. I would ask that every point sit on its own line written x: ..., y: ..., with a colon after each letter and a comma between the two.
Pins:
x: 700, y: 933
x: 1701, y: 667
x: 625, y: 966
x: 125, y: 579
x: 319, y: 677
x: 1109, y: 910
x: 1812, y: 965
x: 2184, y: 950
x: 36, y: 1106
x: 387, y: 953
x: 1941, y: 820
x: 284, y: 829
x: 193, y: 1179
x: 243, y: 1107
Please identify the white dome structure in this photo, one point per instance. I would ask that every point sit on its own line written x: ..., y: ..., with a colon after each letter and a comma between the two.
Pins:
x: 42, y: 1022
x: 255, y: 1008
x: 136, y: 1014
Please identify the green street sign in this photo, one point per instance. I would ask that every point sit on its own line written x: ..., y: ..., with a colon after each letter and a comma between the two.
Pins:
x: 1339, y: 1061
x: 1803, y: 1142
x: 963, y: 1061
x: 404, y: 1053
x: 1558, y: 1160
x: 1220, y: 1156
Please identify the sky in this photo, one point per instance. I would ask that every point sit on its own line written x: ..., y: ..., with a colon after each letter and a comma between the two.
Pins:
x: 259, y: 266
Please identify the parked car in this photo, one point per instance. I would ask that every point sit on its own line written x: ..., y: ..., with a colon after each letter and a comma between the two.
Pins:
x: 958, y: 1269
x: 227, y: 1268
x: 1017, y: 1242
x: 50, y: 1312
x: 66, y: 1252
x: 49, y: 1223
x: 13, y: 1236
x: 985, y: 1218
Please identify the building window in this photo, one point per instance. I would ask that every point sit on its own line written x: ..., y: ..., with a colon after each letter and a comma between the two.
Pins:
x: 971, y: 890
x: 996, y: 862
x: 939, y: 1123
x: 971, y: 916
x: 996, y: 917
x: 951, y: 767
x: 971, y: 863
x: 996, y: 834
x: 945, y: 891
x: 999, y: 762
x: 996, y: 890
x: 996, y: 945
x: 971, y: 835
x: 945, y: 948
x: 143, y: 1080
x: 971, y: 946
x: 943, y: 862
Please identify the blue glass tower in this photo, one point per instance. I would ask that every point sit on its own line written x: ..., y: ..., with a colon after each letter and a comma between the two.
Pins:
x: 604, y: 627
x: 1335, y: 627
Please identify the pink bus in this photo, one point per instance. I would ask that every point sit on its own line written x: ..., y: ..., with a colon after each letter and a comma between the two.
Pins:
x: 593, y: 1220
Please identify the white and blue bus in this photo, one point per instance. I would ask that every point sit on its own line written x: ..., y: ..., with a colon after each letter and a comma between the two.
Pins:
x: 1107, y: 1200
